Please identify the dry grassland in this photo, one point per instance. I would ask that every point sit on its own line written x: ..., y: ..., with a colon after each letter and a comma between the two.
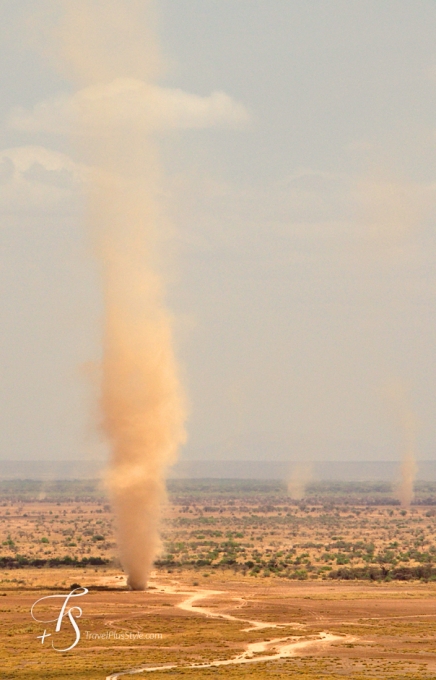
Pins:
x: 232, y: 556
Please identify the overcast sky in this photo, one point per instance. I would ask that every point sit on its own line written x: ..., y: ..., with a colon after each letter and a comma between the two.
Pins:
x: 298, y: 145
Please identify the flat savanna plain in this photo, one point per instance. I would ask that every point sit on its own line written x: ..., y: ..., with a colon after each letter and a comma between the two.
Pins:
x: 342, y: 584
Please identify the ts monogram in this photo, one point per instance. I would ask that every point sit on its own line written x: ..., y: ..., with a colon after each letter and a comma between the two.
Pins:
x: 72, y: 612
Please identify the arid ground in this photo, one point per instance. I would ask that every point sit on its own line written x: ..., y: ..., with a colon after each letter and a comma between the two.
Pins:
x: 249, y: 585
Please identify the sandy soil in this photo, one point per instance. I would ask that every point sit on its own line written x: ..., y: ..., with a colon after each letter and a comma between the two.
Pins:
x: 264, y: 650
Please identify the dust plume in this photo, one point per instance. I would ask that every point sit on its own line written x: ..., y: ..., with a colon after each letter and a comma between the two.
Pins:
x: 298, y: 480
x: 142, y: 403
x: 408, y: 469
x: 405, y: 421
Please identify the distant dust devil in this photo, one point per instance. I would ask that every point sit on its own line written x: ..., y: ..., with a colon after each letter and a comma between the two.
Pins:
x: 115, y: 65
x: 406, y: 422
x: 405, y: 490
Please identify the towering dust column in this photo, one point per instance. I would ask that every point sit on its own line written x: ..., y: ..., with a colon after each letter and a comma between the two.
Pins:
x: 114, y: 63
x: 142, y: 404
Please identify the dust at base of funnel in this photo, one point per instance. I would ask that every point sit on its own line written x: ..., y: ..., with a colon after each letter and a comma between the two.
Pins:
x: 136, y: 585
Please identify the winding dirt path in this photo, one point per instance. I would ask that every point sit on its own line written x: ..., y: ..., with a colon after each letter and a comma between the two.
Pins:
x: 255, y: 652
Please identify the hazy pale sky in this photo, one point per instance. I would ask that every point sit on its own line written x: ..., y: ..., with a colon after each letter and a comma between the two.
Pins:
x: 298, y: 145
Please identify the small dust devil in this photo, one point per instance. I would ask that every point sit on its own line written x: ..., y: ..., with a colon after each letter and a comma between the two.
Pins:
x: 109, y: 57
x: 406, y: 423
x: 405, y: 489
x: 299, y: 479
